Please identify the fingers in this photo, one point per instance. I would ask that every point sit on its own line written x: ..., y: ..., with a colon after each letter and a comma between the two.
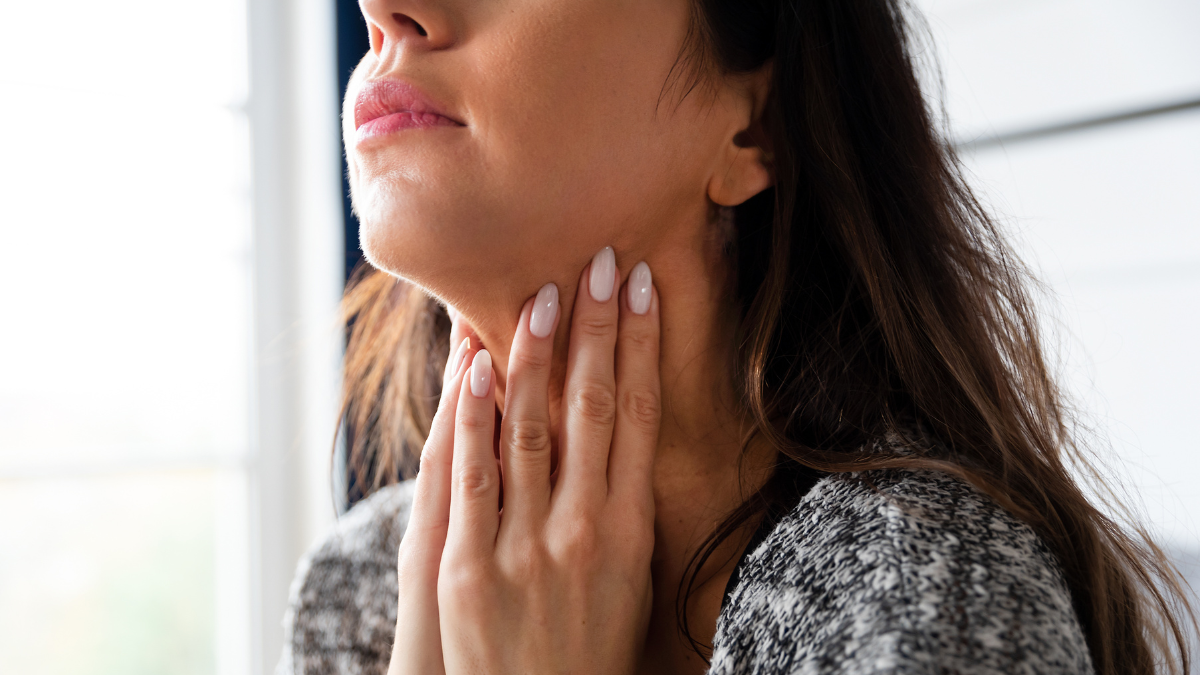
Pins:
x: 525, y: 431
x: 459, y: 330
x: 417, y: 643
x: 589, y: 395
x: 475, y: 490
x: 635, y: 433
x: 425, y: 537
x: 431, y: 504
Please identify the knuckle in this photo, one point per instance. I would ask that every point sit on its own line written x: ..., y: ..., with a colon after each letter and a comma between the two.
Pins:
x: 525, y: 564
x: 474, y: 422
x: 580, y: 542
x: 429, y: 459
x: 594, y: 403
x: 529, y: 360
x: 527, y: 436
x: 433, y: 454
x: 473, y: 480
x: 462, y: 582
x: 597, y: 326
x: 642, y: 406
x: 640, y: 339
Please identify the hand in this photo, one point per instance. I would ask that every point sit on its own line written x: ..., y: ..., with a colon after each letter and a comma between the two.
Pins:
x: 560, y: 580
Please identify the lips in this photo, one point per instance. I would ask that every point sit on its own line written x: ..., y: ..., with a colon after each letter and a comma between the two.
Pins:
x: 386, y: 106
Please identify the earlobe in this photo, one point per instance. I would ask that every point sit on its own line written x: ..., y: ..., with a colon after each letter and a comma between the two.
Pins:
x: 745, y: 165
x: 746, y: 174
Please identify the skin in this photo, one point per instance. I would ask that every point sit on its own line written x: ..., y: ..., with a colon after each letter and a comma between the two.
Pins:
x: 575, y: 136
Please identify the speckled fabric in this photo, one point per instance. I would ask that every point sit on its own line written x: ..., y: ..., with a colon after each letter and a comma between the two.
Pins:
x: 342, y: 611
x: 899, y: 572
x: 878, y: 572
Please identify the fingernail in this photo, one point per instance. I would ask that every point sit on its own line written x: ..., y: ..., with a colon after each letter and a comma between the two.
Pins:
x: 456, y: 360
x: 545, y: 308
x: 640, y: 289
x: 604, y: 269
x: 481, y: 373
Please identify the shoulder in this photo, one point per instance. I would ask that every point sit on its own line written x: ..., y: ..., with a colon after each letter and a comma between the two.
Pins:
x: 342, y: 607
x: 900, y: 572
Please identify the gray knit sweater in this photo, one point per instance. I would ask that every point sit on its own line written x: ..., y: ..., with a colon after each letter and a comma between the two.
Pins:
x: 877, y: 572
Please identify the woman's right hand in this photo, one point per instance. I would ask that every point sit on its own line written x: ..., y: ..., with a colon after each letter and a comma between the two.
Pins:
x: 417, y: 647
x: 565, y: 585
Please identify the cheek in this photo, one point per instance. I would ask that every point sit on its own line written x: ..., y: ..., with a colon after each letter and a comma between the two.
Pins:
x: 583, y: 121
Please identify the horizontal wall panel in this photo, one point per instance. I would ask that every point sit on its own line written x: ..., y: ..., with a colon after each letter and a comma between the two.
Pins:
x: 1013, y: 64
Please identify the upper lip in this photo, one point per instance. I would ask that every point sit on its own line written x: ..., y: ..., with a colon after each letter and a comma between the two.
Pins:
x: 380, y: 98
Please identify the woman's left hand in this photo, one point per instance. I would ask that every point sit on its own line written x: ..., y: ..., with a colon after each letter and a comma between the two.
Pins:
x: 559, y: 581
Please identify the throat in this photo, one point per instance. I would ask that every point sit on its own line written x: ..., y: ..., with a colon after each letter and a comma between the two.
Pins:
x: 691, y: 504
x: 675, y: 649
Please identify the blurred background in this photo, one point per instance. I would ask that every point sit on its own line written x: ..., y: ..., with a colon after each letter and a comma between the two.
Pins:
x: 174, y: 240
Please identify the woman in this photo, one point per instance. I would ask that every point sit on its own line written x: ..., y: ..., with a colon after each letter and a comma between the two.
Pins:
x: 798, y: 419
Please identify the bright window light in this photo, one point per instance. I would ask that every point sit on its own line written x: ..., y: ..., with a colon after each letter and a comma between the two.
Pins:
x: 125, y: 271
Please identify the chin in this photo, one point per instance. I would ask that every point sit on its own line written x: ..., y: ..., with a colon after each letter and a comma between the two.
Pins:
x: 398, y: 246
x: 448, y: 256
x: 403, y: 233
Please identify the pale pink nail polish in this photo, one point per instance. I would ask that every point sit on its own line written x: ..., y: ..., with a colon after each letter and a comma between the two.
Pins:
x: 640, y: 288
x: 545, y: 309
x: 604, y: 271
x: 481, y: 373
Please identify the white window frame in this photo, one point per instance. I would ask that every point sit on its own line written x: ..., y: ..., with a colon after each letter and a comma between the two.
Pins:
x: 297, y: 214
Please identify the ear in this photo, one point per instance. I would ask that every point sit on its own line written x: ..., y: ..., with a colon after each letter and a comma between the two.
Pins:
x: 743, y: 166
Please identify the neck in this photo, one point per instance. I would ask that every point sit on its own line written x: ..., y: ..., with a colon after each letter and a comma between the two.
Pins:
x: 697, y: 480
x: 698, y: 320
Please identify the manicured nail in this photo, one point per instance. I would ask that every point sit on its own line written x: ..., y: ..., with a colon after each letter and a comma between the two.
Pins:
x: 481, y: 373
x: 545, y: 308
x: 640, y: 289
x: 455, y: 363
x: 604, y: 269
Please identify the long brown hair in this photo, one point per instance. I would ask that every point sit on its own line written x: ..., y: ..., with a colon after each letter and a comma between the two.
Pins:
x: 875, y: 295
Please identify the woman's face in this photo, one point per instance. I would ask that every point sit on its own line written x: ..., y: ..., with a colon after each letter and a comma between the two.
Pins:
x: 558, y: 127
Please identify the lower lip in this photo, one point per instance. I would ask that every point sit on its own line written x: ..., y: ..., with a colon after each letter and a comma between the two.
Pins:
x: 388, y: 124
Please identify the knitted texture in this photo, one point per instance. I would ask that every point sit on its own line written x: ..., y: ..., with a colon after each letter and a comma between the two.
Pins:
x: 871, y: 573
x: 899, y: 572
x: 342, y: 607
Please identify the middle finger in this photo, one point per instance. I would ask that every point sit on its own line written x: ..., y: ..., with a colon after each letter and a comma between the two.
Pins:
x: 589, y: 396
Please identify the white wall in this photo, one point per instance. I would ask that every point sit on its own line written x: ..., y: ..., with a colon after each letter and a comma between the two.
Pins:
x: 1109, y: 217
